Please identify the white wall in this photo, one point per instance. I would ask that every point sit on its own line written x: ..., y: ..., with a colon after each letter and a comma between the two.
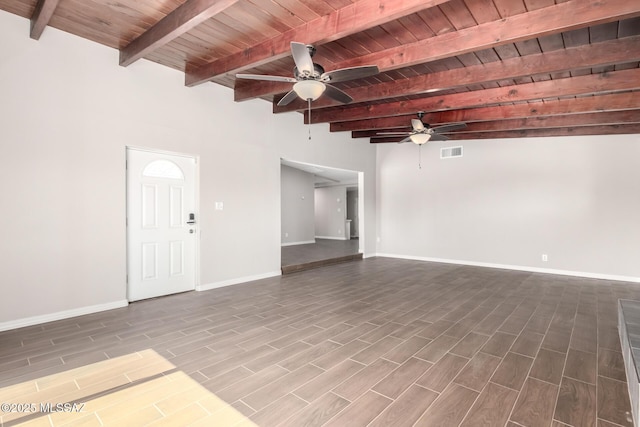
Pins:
x: 331, y: 212
x: 297, y: 206
x: 67, y: 112
x: 507, y: 202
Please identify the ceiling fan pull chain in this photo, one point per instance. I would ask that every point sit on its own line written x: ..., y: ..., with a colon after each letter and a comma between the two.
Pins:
x: 309, y: 104
x: 420, y: 156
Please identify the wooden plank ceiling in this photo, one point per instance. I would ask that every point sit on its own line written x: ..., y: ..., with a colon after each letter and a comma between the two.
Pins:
x: 506, y: 68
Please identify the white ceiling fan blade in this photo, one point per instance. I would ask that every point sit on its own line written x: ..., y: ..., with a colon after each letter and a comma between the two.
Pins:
x: 266, y: 77
x: 288, y: 98
x: 337, y: 94
x: 407, y: 139
x: 417, y: 124
x: 302, y: 58
x: 352, y: 73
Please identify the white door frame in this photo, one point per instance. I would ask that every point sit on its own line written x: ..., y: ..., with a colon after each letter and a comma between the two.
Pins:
x: 197, y: 207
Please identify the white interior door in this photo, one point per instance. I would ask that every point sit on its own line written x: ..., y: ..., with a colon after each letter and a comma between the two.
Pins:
x: 161, y: 229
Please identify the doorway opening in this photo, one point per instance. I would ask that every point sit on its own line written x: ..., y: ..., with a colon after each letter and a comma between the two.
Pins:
x: 321, y: 215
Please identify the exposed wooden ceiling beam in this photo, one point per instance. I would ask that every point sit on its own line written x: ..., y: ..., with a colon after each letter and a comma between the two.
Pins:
x: 535, y: 133
x: 572, y: 120
x: 357, y: 16
x: 41, y: 16
x: 616, y: 81
x: 553, y: 19
x: 549, y: 20
x: 611, y: 102
x: 184, y: 18
x: 586, y: 56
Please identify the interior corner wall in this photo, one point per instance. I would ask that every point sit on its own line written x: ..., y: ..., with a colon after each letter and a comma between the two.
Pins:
x: 331, y: 212
x: 297, y: 206
x: 508, y: 202
x: 67, y: 113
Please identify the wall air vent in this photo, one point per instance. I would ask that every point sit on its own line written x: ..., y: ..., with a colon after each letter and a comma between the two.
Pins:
x: 449, y: 152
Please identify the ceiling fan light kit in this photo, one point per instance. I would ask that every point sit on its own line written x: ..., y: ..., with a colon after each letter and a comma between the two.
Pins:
x: 309, y: 89
x: 420, y: 138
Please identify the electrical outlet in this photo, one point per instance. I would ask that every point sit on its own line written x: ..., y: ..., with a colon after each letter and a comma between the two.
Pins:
x: 545, y: 258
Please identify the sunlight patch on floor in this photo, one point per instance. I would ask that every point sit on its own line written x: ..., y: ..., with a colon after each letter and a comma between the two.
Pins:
x: 141, y: 388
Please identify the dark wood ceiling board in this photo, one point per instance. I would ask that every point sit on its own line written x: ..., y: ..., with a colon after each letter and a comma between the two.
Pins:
x: 587, y: 104
x: 576, y: 37
x: 338, y: 4
x: 629, y: 27
x: 349, y: 20
x: 483, y: 10
x: 618, y: 81
x: 627, y: 66
x: 469, y: 59
x: 362, y: 41
x: 277, y: 12
x: 507, y: 51
x: 320, y: 7
x: 418, y: 28
x: 94, y: 33
x: 528, y: 47
x: 21, y: 8
x: 399, y: 32
x: 551, y: 42
x: 41, y: 16
x: 257, y: 19
x: 508, y: 8
x: 298, y: 9
x: 436, y: 20
x: 218, y: 29
x: 537, y: 4
x: 457, y: 13
x: 487, y: 56
x: 382, y: 37
x: 603, y: 32
x: 538, y: 65
x: 523, y: 80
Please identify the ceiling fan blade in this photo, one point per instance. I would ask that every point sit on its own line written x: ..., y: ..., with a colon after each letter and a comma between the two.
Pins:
x: 302, y: 58
x: 337, y: 94
x: 417, y: 124
x: 288, y: 98
x: 407, y: 139
x: 437, y: 137
x: 352, y: 73
x: 266, y: 77
x: 450, y: 128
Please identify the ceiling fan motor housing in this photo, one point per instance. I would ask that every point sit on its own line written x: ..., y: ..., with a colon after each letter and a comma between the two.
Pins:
x: 317, y: 72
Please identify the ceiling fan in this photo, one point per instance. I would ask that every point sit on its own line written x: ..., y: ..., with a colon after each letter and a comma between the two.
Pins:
x: 310, y: 80
x: 421, y: 132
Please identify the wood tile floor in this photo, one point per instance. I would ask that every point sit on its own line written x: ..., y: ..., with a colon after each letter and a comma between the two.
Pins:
x: 380, y: 342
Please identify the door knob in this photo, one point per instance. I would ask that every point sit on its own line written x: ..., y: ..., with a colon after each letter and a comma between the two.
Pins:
x: 191, y: 231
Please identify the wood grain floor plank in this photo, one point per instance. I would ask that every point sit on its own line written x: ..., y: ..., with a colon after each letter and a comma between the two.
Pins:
x: 449, y: 408
x: 492, y: 408
x: 402, y: 377
x: 478, y: 371
x: 361, y: 412
x: 576, y: 403
x: 513, y: 371
x: 406, y: 409
x: 535, y: 404
x: 548, y: 366
x: 359, y: 383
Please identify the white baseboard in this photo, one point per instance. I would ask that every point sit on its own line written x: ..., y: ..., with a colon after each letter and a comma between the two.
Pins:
x: 331, y: 238
x: 223, y: 283
x: 306, y: 242
x: 60, y: 315
x: 518, y: 267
